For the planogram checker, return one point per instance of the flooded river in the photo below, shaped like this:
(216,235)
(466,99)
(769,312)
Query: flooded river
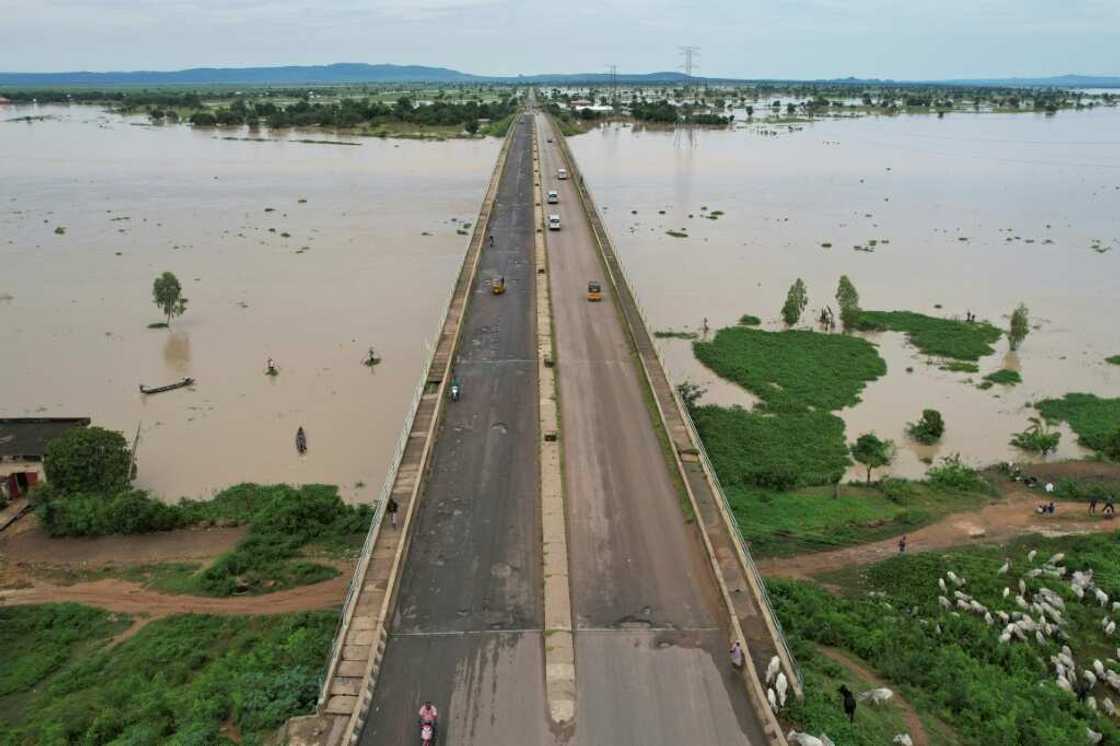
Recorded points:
(307,253)
(970,213)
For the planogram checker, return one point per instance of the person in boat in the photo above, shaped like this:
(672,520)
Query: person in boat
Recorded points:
(301,440)
(372,358)
(271,368)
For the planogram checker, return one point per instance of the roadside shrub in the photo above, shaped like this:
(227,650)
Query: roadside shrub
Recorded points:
(956,476)
(125,512)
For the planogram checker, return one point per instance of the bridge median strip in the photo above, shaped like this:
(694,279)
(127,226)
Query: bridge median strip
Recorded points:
(559,647)
(742,591)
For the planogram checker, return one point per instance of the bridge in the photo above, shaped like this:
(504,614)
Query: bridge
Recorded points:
(566,570)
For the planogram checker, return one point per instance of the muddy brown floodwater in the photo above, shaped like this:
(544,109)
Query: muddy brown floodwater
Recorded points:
(368,259)
(970,213)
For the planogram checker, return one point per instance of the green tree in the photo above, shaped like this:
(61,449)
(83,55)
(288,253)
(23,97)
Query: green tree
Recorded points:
(168,295)
(848,299)
(1038,438)
(471,126)
(1112,445)
(929,428)
(796,300)
(690,394)
(88,459)
(872,452)
(1020,326)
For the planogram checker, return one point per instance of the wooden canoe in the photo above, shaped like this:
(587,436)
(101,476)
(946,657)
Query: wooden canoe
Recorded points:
(169,387)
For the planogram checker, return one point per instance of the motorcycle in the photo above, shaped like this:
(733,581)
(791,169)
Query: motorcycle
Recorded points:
(454,391)
(427,734)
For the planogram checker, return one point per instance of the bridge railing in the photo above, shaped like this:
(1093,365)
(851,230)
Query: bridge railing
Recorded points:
(379,505)
(598,226)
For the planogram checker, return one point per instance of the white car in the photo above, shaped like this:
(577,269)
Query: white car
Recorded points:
(561,173)
(553,197)
(554,222)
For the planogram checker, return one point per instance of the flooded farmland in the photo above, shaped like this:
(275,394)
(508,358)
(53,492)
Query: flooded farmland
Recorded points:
(970,213)
(304,252)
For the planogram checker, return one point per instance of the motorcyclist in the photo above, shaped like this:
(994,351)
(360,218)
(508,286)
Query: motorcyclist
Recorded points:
(429,715)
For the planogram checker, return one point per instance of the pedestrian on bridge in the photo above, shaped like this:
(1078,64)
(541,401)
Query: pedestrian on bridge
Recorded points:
(391,508)
(736,656)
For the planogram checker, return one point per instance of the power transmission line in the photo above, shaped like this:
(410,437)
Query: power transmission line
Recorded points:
(690,55)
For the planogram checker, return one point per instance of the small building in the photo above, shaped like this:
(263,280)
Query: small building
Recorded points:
(4,101)
(580,103)
(23,444)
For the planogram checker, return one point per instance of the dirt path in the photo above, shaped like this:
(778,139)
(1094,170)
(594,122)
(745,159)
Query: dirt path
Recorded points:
(995,523)
(132,598)
(914,725)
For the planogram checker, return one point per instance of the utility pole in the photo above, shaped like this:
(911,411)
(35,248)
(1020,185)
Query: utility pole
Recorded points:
(613,70)
(690,55)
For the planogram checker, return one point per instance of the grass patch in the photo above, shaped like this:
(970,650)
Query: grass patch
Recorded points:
(677,234)
(810,519)
(793,371)
(992,692)
(1004,377)
(959,366)
(675,334)
(499,127)
(283,523)
(748,320)
(1094,420)
(178,680)
(821,712)
(934,336)
(158,325)
(753,449)
(1115,359)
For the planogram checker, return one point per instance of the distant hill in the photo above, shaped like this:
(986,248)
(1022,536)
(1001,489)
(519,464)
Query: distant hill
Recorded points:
(1057,81)
(351,73)
(288,75)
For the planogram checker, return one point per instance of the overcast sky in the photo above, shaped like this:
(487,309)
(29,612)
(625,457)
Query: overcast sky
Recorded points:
(902,39)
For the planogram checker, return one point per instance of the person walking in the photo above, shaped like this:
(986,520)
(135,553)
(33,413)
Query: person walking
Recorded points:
(391,508)
(1093,504)
(736,656)
(902,545)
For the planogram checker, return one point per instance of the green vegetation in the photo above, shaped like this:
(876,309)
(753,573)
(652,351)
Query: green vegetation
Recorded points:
(952,666)
(812,519)
(1005,377)
(796,300)
(675,334)
(187,679)
(779,452)
(284,522)
(1115,359)
(1020,326)
(497,128)
(168,296)
(1038,438)
(88,459)
(677,234)
(848,299)
(872,452)
(793,371)
(957,366)
(928,429)
(952,475)
(933,336)
(748,320)
(820,710)
(1095,420)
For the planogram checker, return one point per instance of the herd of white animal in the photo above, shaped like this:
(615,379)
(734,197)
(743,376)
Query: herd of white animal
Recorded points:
(1040,617)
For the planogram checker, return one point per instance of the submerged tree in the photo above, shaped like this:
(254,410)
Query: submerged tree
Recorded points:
(796,300)
(929,428)
(1020,326)
(168,295)
(872,452)
(690,394)
(848,299)
(1038,438)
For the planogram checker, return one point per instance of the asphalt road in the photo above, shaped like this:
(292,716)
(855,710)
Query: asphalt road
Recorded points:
(468,629)
(651,640)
